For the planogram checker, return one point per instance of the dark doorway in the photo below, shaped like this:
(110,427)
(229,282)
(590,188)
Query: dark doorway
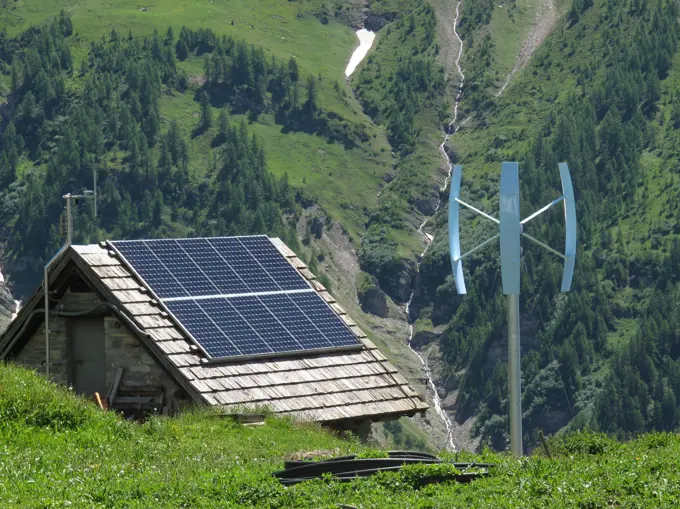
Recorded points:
(89,360)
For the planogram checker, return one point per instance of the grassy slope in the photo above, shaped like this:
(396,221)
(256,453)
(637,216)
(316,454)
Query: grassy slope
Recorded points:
(57,450)
(344,182)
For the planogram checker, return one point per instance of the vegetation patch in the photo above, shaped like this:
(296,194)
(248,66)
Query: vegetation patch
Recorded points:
(195,460)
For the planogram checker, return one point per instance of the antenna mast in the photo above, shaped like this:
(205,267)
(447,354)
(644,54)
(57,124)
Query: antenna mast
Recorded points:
(511,231)
(87,194)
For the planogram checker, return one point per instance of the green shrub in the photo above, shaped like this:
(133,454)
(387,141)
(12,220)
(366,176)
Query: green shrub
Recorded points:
(585,442)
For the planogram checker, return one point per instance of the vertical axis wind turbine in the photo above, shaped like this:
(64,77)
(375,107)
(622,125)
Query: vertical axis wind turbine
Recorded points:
(511,230)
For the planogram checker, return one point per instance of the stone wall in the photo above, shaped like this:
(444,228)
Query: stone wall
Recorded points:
(123,349)
(33,354)
(140,369)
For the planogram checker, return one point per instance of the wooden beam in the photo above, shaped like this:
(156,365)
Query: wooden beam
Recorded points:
(114,387)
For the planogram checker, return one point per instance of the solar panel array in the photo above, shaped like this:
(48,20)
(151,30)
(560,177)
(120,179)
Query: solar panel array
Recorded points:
(236,296)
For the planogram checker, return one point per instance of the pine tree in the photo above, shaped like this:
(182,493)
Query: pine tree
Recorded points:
(169,36)
(16,73)
(156,220)
(223,123)
(223,128)
(205,121)
(675,115)
(293,71)
(310,105)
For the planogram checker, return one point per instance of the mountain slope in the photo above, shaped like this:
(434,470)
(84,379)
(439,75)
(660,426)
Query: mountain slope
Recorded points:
(335,154)
(600,93)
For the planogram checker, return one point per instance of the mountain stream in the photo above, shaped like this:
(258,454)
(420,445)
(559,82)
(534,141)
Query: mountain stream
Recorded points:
(450,131)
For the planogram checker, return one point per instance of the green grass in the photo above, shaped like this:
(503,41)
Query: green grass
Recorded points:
(57,450)
(285,28)
(343,181)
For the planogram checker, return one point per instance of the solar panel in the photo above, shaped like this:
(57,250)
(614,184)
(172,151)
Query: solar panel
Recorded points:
(219,266)
(236,296)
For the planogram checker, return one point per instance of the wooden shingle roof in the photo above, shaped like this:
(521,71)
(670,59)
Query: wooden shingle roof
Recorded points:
(317,387)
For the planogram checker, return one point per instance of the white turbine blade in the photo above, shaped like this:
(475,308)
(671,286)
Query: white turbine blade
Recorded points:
(454,230)
(570,227)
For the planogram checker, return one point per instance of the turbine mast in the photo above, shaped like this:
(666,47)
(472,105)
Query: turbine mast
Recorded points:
(511,230)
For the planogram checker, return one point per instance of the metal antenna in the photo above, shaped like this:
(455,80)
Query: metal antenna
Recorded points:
(511,231)
(87,194)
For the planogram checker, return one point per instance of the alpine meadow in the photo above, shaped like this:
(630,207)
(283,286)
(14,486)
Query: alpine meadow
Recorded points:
(221,118)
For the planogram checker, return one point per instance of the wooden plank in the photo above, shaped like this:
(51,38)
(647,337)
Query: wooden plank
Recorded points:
(165,334)
(151,321)
(348,320)
(368,343)
(327,297)
(305,376)
(128,296)
(283,248)
(127,400)
(357,331)
(99,259)
(120,283)
(338,308)
(297,263)
(378,355)
(201,386)
(114,387)
(170,347)
(188,374)
(308,274)
(183,360)
(141,308)
(110,271)
(318,286)
(214,384)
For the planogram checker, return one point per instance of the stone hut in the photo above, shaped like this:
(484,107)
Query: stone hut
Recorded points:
(109,334)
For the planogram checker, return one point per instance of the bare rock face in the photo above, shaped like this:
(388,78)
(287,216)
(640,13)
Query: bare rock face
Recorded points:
(427,204)
(6,306)
(375,21)
(402,280)
(374,301)
(423,338)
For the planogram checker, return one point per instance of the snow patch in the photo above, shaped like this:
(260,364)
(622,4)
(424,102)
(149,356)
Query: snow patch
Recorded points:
(366,38)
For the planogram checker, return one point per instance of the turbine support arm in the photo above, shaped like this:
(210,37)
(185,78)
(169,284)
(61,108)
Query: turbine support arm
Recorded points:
(475,249)
(540,211)
(483,214)
(543,245)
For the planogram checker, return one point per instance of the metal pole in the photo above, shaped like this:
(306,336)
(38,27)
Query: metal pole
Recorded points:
(514,375)
(69,222)
(47,323)
(95,191)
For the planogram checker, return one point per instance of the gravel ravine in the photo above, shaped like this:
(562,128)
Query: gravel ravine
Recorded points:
(546,16)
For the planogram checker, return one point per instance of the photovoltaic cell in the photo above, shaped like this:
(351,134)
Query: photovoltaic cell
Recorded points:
(236,296)
(216,266)
(151,270)
(255,325)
